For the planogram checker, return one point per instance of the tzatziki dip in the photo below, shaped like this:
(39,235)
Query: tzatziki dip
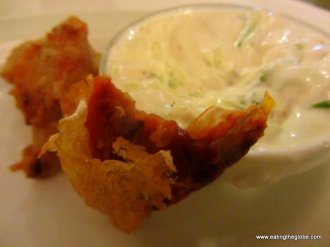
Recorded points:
(179,62)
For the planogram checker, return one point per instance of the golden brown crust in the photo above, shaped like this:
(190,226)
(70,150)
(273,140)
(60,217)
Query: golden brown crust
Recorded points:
(126,189)
(41,71)
(129,189)
(127,163)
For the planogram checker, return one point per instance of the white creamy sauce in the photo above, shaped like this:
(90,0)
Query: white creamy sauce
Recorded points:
(178,64)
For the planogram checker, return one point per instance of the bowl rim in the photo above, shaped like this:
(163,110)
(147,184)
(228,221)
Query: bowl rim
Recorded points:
(194,7)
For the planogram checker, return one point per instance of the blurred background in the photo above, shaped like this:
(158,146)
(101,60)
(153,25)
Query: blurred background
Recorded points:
(19,8)
(321,3)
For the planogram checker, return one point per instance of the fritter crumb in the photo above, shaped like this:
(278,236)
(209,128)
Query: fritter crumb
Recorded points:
(42,71)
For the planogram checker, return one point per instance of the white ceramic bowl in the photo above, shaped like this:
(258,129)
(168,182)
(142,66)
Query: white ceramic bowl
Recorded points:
(261,165)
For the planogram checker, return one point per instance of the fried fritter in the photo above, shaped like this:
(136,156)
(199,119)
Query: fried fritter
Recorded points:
(127,163)
(42,71)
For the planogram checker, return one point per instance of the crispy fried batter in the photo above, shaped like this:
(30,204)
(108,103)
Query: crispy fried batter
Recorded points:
(127,163)
(124,162)
(41,72)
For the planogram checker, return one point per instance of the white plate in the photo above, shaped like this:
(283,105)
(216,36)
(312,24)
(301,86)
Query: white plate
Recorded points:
(49,213)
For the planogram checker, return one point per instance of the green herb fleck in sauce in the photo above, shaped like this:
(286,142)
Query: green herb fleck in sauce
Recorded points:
(249,29)
(322,104)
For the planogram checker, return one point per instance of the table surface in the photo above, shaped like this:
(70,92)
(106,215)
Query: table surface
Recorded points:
(49,213)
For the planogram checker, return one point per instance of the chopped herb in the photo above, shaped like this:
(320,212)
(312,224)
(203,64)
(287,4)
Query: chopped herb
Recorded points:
(265,75)
(214,59)
(243,102)
(322,104)
(235,74)
(217,58)
(151,75)
(171,83)
(232,104)
(299,46)
(249,29)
